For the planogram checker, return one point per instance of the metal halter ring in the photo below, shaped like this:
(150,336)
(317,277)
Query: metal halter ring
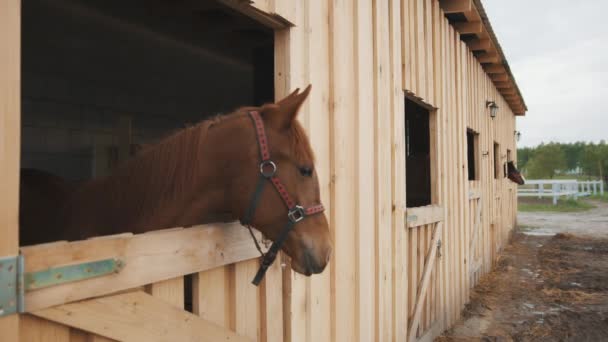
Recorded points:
(268,164)
(296,214)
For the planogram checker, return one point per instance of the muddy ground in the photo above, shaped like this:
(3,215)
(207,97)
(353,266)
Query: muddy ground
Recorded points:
(550,284)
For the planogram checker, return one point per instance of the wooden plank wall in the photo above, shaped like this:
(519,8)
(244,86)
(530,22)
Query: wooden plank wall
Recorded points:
(360,61)
(362,57)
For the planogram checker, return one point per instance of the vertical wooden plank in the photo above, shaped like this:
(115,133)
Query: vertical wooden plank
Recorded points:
(78,335)
(440,150)
(451,117)
(398,200)
(318,54)
(271,305)
(291,66)
(365,172)
(428,48)
(247,300)
(383,93)
(34,329)
(406,45)
(10,128)
(171,291)
(211,295)
(343,152)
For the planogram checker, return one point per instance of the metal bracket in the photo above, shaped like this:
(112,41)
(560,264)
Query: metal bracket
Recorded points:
(66,274)
(14,281)
(11,285)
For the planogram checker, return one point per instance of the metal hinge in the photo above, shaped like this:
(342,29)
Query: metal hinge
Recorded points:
(14,282)
(11,285)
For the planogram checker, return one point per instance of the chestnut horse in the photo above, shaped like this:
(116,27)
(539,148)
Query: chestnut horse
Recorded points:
(514,174)
(201,174)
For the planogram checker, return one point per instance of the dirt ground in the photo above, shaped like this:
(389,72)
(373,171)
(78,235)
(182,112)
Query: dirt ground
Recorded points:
(550,283)
(591,223)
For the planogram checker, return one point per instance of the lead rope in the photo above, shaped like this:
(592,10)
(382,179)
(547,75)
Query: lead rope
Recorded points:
(255,240)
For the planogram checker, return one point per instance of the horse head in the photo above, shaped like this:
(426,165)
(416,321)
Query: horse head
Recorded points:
(514,174)
(278,192)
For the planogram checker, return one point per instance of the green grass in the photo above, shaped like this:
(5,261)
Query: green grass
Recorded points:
(563,206)
(601,198)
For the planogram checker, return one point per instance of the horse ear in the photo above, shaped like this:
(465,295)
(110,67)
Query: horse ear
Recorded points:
(288,97)
(286,109)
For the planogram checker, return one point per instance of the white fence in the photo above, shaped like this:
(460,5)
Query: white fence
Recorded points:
(556,188)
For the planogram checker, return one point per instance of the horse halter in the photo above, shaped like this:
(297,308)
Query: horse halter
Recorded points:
(295,212)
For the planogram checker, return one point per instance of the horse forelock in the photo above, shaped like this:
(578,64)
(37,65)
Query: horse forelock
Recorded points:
(301,145)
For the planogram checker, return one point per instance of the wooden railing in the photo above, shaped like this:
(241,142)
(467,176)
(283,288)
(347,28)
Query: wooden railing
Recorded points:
(556,188)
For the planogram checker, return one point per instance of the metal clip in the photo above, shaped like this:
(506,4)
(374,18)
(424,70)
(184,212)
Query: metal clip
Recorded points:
(296,214)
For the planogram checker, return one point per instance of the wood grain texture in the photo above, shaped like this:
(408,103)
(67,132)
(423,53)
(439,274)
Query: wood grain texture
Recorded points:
(173,253)
(137,316)
(361,57)
(34,329)
(10,122)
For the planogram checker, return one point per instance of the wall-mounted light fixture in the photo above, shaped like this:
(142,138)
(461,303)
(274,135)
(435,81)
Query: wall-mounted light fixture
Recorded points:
(493,108)
(517,135)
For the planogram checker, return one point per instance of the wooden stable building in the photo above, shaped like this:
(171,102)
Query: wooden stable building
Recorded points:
(411,116)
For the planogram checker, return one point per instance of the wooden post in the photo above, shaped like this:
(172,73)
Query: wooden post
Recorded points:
(554,190)
(10,128)
(594,188)
(602,187)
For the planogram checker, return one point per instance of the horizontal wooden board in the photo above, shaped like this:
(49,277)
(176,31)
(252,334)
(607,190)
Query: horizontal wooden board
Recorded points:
(148,258)
(137,316)
(424,215)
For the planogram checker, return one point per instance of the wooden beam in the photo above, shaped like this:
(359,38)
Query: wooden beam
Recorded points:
(472,15)
(137,316)
(509,91)
(424,282)
(456,6)
(10,141)
(480,44)
(488,57)
(499,77)
(420,216)
(173,253)
(472,27)
(503,85)
(495,69)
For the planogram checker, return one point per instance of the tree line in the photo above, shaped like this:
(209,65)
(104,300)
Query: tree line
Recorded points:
(553,159)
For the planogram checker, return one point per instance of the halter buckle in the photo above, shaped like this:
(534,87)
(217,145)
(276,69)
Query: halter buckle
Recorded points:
(296,214)
(268,168)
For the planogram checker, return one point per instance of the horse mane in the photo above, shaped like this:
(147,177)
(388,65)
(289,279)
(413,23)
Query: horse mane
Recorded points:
(178,157)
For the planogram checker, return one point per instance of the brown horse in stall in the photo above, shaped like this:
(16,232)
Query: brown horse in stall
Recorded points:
(514,174)
(212,171)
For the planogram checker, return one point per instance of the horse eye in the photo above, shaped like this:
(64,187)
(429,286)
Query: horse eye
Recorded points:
(306,171)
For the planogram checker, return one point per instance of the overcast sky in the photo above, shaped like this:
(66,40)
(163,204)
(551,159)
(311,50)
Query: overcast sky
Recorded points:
(558,52)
